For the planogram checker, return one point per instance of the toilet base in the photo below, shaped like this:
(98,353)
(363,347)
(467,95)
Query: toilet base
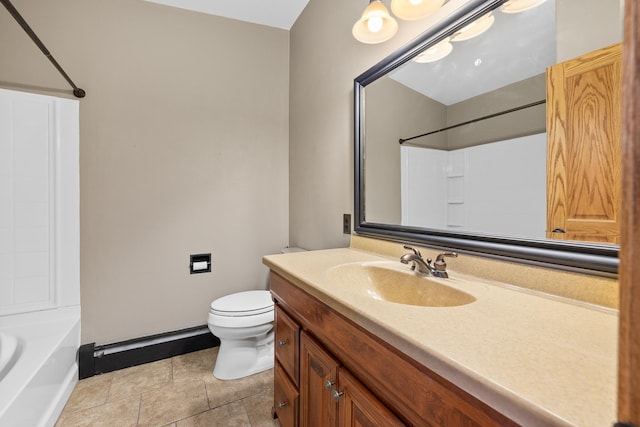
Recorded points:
(241,358)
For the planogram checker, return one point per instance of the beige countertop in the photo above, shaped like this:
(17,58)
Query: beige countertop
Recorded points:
(538,359)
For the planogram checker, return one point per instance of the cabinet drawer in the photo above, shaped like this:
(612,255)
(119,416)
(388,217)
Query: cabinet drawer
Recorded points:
(285,398)
(287,336)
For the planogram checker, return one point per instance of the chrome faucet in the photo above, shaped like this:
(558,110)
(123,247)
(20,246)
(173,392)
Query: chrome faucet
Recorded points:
(437,269)
(417,263)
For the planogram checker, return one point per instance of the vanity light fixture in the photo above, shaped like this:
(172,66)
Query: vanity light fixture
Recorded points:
(375,25)
(435,52)
(516,6)
(411,10)
(474,29)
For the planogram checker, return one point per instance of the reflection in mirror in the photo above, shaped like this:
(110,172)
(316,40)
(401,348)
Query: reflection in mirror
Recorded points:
(505,135)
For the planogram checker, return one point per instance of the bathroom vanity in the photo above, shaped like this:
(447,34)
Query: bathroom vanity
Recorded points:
(347,355)
(343,390)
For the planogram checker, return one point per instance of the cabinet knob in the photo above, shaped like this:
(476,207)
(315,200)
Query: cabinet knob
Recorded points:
(282,343)
(282,405)
(336,395)
(328,384)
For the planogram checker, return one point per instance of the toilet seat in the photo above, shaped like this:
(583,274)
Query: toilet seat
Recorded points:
(248,303)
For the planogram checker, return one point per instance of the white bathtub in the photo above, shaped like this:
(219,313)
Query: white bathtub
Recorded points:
(10,349)
(38,367)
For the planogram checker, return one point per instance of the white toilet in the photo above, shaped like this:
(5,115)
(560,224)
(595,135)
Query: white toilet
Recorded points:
(244,323)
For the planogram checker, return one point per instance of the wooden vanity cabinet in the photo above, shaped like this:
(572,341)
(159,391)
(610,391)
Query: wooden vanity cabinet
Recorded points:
(350,377)
(317,402)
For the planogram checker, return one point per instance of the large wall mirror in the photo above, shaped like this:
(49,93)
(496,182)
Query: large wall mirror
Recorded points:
(498,132)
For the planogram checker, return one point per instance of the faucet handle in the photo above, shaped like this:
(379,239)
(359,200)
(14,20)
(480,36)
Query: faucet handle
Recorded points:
(415,251)
(440,264)
(441,256)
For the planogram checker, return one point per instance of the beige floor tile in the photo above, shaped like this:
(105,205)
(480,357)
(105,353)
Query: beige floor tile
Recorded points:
(194,365)
(231,415)
(259,409)
(174,392)
(268,380)
(221,392)
(89,392)
(139,379)
(121,413)
(172,403)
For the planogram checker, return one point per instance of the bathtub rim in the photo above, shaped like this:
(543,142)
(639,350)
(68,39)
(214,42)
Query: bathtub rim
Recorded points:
(36,363)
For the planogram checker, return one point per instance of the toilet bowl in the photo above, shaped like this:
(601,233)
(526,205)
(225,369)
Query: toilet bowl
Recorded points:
(244,324)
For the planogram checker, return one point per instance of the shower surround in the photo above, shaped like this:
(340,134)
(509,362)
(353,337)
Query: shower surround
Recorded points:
(39,256)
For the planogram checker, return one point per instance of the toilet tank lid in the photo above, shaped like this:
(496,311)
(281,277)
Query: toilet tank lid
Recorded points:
(292,249)
(243,302)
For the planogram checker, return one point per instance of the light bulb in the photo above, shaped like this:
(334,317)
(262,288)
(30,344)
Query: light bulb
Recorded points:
(374,24)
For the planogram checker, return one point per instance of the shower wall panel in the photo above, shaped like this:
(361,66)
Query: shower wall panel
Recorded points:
(33,141)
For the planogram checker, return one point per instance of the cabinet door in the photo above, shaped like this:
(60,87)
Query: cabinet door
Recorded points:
(318,374)
(359,408)
(584,147)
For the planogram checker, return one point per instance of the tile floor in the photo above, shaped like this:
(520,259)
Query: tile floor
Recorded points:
(175,392)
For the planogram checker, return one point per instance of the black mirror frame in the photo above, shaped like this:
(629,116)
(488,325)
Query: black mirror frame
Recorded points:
(572,256)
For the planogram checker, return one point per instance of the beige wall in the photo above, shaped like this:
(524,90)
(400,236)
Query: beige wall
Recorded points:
(183,149)
(528,121)
(325,58)
(586,25)
(393,111)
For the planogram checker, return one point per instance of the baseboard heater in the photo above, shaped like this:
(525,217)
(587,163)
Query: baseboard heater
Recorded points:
(94,360)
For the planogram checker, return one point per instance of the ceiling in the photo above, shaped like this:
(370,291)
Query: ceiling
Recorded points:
(273,13)
(526,47)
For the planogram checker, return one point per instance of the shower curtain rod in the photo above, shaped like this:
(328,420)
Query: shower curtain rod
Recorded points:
(490,116)
(79,93)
